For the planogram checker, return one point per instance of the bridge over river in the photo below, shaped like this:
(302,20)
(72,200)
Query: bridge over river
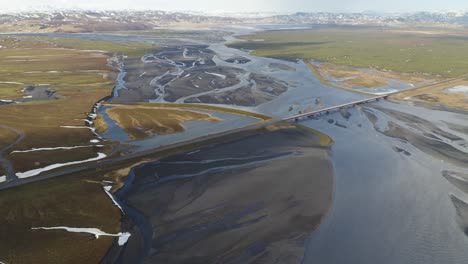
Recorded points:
(327,110)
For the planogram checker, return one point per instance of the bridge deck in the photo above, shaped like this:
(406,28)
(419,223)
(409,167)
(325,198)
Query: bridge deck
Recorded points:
(333,108)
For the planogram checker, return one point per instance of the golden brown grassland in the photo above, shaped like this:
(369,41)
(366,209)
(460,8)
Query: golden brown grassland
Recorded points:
(203,107)
(142,122)
(353,77)
(438,94)
(77,73)
(100,124)
(31,160)
(7,136)
(69,201)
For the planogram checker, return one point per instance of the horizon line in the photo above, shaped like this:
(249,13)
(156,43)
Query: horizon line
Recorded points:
(393,12)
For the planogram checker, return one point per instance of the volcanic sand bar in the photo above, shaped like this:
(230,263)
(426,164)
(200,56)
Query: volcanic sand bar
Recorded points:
(218,202)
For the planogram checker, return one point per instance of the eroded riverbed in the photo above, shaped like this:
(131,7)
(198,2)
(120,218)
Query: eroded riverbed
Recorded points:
(235,202)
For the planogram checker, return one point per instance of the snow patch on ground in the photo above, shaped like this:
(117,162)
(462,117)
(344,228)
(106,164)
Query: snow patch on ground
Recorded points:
(458,89)
(13,83)
(35,172)
(123,237)
(57,148)
(107,189)
(81,127)
(74,127)
(217,75)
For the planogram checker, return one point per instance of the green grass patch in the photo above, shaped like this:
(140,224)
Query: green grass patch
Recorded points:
(407,52)
(131,49)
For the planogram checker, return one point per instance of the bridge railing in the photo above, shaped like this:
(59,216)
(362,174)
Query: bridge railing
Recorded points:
(333,108)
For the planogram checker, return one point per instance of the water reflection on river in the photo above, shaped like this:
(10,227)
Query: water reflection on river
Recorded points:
(390,206)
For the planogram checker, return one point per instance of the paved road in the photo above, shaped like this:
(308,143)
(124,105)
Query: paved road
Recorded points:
(5,163)
(429,85)
(109,162)
(333,108)
(13,181)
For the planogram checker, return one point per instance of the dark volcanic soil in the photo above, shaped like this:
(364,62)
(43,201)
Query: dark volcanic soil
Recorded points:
(260,89)
(190,74)
(202,79)
(253,200)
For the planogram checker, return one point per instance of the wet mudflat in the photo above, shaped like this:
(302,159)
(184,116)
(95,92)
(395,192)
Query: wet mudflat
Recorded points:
(401,174)
(246,200)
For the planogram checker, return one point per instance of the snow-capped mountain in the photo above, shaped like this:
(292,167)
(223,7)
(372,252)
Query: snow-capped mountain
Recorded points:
(90,21)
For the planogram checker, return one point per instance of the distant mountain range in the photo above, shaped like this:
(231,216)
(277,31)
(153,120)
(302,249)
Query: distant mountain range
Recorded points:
(95,21)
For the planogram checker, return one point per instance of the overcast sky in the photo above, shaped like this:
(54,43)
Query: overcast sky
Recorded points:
(246,5)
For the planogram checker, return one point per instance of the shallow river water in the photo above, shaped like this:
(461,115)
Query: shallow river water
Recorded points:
(389,207)
(391,202)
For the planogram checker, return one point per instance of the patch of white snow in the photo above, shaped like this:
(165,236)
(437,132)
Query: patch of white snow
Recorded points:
(123,237)
(35,172)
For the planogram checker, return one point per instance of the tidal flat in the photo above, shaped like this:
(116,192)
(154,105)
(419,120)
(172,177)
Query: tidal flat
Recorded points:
(234,202)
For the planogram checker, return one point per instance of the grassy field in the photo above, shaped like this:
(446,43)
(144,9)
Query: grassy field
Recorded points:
(434,53)
(31,160)
(80,77)
(74,201)
(20,67)
(75,70)
(206,107)
(7,136)
(142,122)
(354,77)
(130,49)
(438,94)
(100,124)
